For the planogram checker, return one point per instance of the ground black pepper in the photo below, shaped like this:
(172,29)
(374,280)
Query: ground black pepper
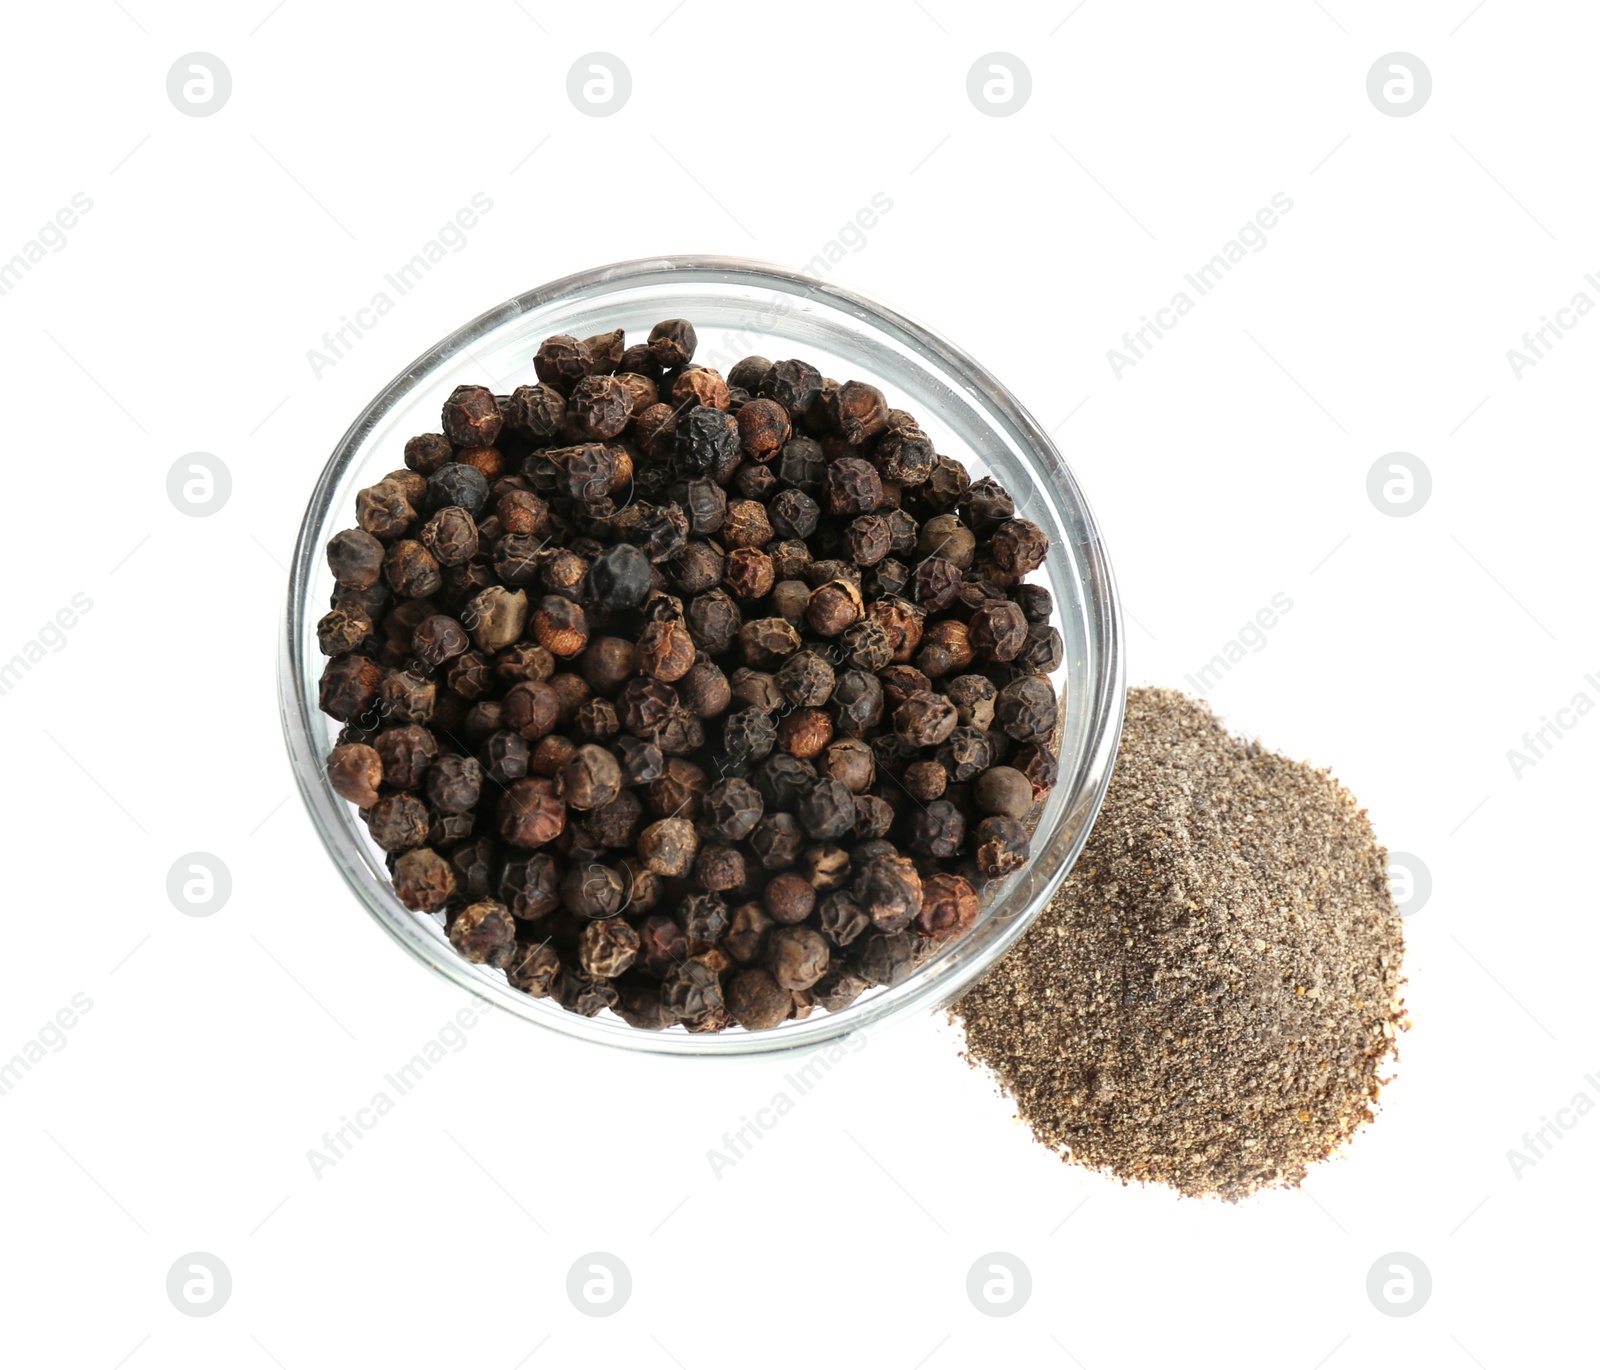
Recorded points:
(1212,1000)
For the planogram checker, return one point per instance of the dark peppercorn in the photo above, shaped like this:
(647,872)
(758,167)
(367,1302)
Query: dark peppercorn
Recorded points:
(732,808)
(853,487)
(591,778)
(533,969)
(593,890)
(454,783)
(530,814)
(343,628)
(793,384)
(1002,846)
(889,890)
(777,841)
(827,810)
(885,958)
(756,1000)
(427,452)
(383,510)
(1026,709)
(538,412)
(867,540)
(797,957)
(460,485)
(672,342)
(398,822)
(356,558)
(423,880)
(561,362)
(484,933)
(938,830)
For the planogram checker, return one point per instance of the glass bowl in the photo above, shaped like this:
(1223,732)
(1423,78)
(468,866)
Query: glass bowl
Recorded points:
(738,308)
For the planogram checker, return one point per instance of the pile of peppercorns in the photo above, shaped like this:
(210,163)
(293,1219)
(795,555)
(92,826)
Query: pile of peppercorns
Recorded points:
(704,700)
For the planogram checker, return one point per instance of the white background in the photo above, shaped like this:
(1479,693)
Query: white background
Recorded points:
(1227,466)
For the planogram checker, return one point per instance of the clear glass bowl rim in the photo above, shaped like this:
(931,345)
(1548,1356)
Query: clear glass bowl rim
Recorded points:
(302,720)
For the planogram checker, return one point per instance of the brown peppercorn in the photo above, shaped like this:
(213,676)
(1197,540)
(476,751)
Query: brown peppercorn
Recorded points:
(1002,846)
(522,511)
(662,945)
(680,791)
(406,753)
(842,919)
(693,992)
(496,617)
(748,573)
(669,846)
(763,428)
(470,417)
(571,692)
(343,628)
(889,891)
(355,771)
(605,351)
(949,907)
(410,569)
(672,342)
(1039,764)
(607,664)
(937,830)
(777,841)
(530,814)
(642,391)
(905,455)
(423,880)
(550,755)
(607,948)
(591,778)
(356,559)
(719,868)
(489,462)
(834,607)
(936,583)
(438,638)
(853,487)
(1018,546)
(849,761)
(665,650)
(998,630)
(925,719)
(857,411)
(533,969)
(561,626)
(946,648)
(451,536)
(732,808)
(591,889)
(427,452)
(655,430)
(699,385)
(538,412)
(789,898)
(705,690)
(561,362)
(925,781)
(598,408)
(746,525)
(797,957)
(805,732)
(1003,790)
(867,539)
(398,822)
(756,1001)
(765,643)
(903,622)
(484,933)
(383,510)
(1026,709)
(948,537)
(406,698)
(746,938)
(531,709)
(349,686)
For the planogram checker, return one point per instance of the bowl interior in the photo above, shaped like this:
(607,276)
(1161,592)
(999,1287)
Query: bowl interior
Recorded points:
(738,308)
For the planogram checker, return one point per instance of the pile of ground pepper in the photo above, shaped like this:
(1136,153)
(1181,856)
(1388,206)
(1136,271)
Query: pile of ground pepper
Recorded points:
(1211,1001)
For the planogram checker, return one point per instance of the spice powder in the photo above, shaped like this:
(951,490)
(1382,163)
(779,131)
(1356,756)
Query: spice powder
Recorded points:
(1212,999)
